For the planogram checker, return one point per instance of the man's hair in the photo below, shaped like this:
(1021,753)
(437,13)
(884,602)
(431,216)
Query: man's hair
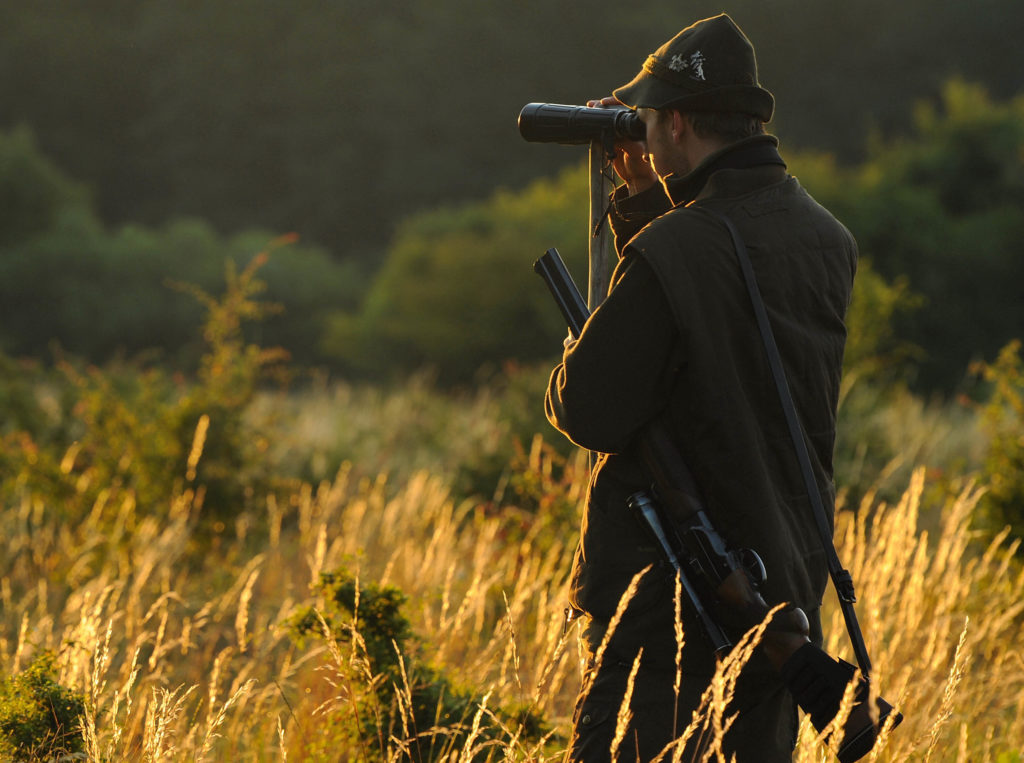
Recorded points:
(724,125)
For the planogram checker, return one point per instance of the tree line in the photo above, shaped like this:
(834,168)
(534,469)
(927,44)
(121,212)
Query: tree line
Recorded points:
(938,213)
(338,120)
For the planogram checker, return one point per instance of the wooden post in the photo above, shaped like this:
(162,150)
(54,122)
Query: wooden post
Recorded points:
(601,255)
(600,236)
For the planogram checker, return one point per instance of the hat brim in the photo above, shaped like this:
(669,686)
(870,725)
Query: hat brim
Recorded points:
(648,91)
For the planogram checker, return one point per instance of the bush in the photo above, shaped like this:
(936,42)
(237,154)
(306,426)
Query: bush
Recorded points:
(33,192)
(104,294)
(873,351)
(1003,416)
(149,437)
(942,209)
(39,719)
(457,290)
(397,696)
(143,429)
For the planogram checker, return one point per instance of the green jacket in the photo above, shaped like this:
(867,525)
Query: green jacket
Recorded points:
(677,338)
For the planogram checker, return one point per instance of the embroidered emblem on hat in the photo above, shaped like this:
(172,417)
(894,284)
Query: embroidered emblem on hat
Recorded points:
(694,64)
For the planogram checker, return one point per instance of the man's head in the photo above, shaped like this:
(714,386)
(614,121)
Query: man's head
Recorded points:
(677,142)
(698,93)
(708,68)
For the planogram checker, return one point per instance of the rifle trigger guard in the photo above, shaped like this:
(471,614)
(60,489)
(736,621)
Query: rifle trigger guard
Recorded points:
(753,566)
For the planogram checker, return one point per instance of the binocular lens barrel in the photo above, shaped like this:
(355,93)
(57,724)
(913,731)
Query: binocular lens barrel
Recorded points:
(556,123)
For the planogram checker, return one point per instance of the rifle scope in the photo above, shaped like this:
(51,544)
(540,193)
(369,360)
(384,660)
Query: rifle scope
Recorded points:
(572,125)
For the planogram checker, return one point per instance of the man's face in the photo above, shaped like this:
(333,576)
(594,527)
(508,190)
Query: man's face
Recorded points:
(664,151)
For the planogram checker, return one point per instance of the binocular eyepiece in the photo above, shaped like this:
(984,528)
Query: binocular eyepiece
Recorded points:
(572,125)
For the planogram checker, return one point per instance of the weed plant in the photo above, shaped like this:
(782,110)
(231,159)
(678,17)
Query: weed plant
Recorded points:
(39,718)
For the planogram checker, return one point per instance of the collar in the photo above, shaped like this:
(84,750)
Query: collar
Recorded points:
(755,151)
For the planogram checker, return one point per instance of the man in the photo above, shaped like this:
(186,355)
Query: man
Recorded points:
(676,340)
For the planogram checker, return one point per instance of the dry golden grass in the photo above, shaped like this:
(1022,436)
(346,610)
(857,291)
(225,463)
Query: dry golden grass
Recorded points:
(942,617)
(185,658)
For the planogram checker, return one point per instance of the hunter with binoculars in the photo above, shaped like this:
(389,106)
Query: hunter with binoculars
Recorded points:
(706,385)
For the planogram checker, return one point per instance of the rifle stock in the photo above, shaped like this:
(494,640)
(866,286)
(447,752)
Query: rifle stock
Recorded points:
(727,580)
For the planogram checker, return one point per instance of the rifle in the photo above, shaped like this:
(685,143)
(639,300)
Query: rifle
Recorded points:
(716,578)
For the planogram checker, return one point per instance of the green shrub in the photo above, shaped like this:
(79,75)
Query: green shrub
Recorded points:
(396,695)
(457,290)
(103,294)
(873,350)
(145,430)
(942,208)
(39,719)
(132,435)
(33,192)
(1003,417)
(20,410)
(307,282)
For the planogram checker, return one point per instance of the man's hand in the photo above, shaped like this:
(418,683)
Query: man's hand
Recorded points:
(630,160)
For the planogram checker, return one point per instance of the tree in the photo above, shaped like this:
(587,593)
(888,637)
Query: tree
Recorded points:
(34,193)
(457,291)
(942,207)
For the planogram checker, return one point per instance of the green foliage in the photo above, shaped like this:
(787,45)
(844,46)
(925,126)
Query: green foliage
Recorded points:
(33,192)
(942,209)
(1004,419)
(873,351)
(543,485)
(457,292)
(39,719)
(137,436)
(309,285)
(20,410)
(396,694)
(370,612)
(143,430)
(103,294)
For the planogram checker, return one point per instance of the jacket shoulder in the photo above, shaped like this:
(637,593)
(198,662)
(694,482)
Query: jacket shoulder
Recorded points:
(689,228)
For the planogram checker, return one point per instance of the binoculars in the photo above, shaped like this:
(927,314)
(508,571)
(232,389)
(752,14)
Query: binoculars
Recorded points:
(573,125)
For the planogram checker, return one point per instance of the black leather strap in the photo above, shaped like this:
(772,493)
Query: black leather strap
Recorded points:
(841,577)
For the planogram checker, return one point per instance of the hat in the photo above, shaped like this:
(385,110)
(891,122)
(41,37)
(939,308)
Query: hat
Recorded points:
(709,66)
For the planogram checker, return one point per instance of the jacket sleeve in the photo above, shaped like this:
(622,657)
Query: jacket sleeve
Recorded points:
(627,214)
(618,374)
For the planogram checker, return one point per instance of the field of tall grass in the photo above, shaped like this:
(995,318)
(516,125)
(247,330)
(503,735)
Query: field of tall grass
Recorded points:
(383,576)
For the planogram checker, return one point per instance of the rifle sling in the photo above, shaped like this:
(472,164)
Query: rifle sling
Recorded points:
(841,577)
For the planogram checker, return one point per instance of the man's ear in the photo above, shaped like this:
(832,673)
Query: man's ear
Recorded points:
(680,125)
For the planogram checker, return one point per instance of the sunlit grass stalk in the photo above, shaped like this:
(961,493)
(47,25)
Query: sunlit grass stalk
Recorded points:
(956,674)
(624,716)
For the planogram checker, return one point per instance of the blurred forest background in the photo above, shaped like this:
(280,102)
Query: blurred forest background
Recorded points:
(143,141)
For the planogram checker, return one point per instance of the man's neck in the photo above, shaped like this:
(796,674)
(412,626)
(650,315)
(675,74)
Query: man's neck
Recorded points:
(759,149)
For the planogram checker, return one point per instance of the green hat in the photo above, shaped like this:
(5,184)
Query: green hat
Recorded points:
(709,66)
